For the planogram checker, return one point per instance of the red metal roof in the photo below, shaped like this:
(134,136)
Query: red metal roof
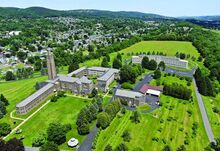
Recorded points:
(145,87)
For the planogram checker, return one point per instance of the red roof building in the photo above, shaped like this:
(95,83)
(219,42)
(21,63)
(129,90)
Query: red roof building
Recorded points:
(146,87)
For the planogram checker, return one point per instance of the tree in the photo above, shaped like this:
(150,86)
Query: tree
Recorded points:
(162,65)
(166,148)
(181,148)
(126,136)
(93,93)
(128,74)
(105,62)
(3,99)
(121,147)
(3,110)
(13,145)
(117,64)
(119,57)
(108,148)
(135,117)
(152,65)
(56,133)
(73,66)
(5,129)
(39,140)
(49,146)
(103,120)
(144,62)
(90,48)
(157,74)
(9,76)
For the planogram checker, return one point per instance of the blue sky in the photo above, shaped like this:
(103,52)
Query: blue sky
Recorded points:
(163,7)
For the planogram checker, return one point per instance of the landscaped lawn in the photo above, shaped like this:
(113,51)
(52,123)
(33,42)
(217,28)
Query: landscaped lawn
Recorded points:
(214,118)
(157,125)
(168,47)
(17,91)
(171,124)
(64,111)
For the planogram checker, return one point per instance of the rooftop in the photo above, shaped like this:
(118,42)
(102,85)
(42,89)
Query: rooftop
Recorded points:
(35,95)
(108,74)
(146,87)
(76,71)
(128,94)
(153,92)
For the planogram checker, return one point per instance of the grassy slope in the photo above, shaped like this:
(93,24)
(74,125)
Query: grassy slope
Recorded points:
(143,132)
(16,91)
(64,111)
(214,118)
(168,47)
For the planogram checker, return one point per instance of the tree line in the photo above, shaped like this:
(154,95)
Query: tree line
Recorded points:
(177,91)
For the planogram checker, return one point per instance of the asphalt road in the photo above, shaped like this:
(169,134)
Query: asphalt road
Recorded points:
(87,143)
(204,115)
(189,73)
(146,79)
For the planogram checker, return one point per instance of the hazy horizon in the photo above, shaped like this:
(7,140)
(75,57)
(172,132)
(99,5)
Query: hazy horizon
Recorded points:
(167,8)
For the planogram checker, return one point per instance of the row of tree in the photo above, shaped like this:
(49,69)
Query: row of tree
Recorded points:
(105,118)
(204,84)
(177,91)
(88,114)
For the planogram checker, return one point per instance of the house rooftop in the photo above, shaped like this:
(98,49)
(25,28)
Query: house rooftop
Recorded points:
(146,87)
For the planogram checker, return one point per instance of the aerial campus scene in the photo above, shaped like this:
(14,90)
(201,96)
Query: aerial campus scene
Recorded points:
(109,75)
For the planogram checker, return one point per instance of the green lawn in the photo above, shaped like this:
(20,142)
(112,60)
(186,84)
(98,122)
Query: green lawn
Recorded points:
(17,91)
(214,118)
(171,124)
(168,47)
(64,111)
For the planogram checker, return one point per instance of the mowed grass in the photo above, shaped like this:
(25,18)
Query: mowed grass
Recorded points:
(214,118)
(168,132)
(17,91)
(171,124)
(168,47)
(64,111)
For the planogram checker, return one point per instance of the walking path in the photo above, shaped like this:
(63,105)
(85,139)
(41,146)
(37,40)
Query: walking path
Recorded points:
(24,121)
(204,115)
(15,118)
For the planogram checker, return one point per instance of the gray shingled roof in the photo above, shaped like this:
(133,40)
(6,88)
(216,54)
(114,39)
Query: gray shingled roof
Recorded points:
(65,78)
(35,95)
(108,74)
(76,71)
(85,80)
(98,69)
(128,94)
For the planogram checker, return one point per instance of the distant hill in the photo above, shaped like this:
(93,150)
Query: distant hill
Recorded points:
(202,18)
(45,12)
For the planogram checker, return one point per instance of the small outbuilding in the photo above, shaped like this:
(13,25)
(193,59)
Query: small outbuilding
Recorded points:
(151,90)
(73,142)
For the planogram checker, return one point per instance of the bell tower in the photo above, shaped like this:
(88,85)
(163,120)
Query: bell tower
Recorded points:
(51,65)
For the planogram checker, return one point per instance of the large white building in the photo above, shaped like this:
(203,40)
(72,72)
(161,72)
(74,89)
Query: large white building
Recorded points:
(169,61)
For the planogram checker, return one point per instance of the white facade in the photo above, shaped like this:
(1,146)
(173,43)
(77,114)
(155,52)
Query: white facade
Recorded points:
(169,61)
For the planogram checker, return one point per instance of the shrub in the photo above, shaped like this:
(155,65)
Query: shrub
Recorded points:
(127,85)
(126,136)
(5,129)
(39,140)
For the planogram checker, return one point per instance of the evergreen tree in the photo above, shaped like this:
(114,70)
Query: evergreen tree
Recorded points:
(144,62)
(119,57)
(9,76)
(117,64)
(49,146)
(157,74)
(105,62)
(73,66)
(162,65)
(152,65)
(4,100)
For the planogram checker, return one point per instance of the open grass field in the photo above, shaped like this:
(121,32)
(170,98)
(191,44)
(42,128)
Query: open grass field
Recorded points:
(214,118)
(15,92)
(168,47)
(171,124)
(64,111)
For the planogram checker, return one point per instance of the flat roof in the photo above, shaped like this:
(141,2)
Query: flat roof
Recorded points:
(35,95)
(128,94)
(98,69)
(153,92)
